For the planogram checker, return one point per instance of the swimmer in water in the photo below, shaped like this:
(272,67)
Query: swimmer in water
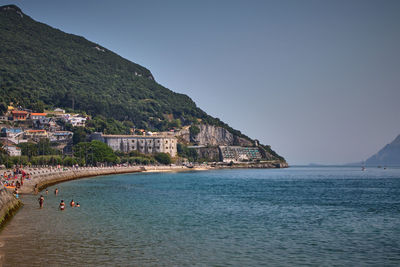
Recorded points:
(72,203)
(41,201)
(47,191)
(62,205)
(77,205)
(56,191)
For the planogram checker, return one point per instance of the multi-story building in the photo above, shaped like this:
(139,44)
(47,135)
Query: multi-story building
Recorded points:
(147,144)
(35,134)
(60,136)
(19,115)
(38,116)
(239,153)
(12,150)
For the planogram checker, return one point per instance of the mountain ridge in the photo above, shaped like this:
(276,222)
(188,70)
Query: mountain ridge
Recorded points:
(389,155)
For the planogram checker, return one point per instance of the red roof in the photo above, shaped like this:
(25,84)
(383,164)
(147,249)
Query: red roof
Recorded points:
(35,131)
(38,114)
(19,112)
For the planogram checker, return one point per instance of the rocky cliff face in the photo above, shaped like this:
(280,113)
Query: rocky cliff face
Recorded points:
(209,153)
(211,135)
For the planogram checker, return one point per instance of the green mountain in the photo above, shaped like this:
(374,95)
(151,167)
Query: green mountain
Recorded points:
(42,66)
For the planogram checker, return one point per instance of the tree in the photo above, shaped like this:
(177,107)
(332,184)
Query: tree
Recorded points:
(163,158)
(38,106)
(28,149)
(44,148)
(3,107)
(194,131)
(95,151)
(185,152)
(79,135)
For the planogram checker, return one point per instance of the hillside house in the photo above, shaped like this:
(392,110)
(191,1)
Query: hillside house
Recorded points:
(59,111)
(47,124)
(60,136)
(19,115)
(12,150)
(75,120)
(38,116)
(10,132)
(35,134)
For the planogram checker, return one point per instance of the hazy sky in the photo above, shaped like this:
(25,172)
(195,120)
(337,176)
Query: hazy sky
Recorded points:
(317,80)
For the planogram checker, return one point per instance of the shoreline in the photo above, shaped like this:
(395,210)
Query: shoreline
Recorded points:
(44,177)
(47,177)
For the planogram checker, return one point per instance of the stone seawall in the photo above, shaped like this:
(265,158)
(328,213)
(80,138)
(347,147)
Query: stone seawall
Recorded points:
(46,177)
(8,205)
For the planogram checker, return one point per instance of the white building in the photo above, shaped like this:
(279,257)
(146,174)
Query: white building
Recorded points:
(60,136)
(38,116)
(142,143)
(12,150)
(75,120)
(59,110)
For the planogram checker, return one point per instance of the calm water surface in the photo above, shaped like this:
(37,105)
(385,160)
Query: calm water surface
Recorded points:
(288,217)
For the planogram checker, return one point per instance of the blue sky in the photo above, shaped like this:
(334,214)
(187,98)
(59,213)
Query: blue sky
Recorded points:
(317,80)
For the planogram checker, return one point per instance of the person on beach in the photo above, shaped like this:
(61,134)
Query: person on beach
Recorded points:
(62,205)
(41,201)
(72,203)
(16,193)
(36,189)
(56,191)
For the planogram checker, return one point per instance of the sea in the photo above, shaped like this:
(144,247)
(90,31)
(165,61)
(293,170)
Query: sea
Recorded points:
(299,216)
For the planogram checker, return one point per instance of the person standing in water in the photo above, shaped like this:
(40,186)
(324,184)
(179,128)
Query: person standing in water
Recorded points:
(62,205)
(72,203)
(56,191)
(47,191)
(41,201)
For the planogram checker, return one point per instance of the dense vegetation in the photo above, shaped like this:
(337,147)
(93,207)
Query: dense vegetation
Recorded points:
(84,153)
(44,67)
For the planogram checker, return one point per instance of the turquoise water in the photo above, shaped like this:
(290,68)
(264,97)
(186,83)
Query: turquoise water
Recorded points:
(285,217)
